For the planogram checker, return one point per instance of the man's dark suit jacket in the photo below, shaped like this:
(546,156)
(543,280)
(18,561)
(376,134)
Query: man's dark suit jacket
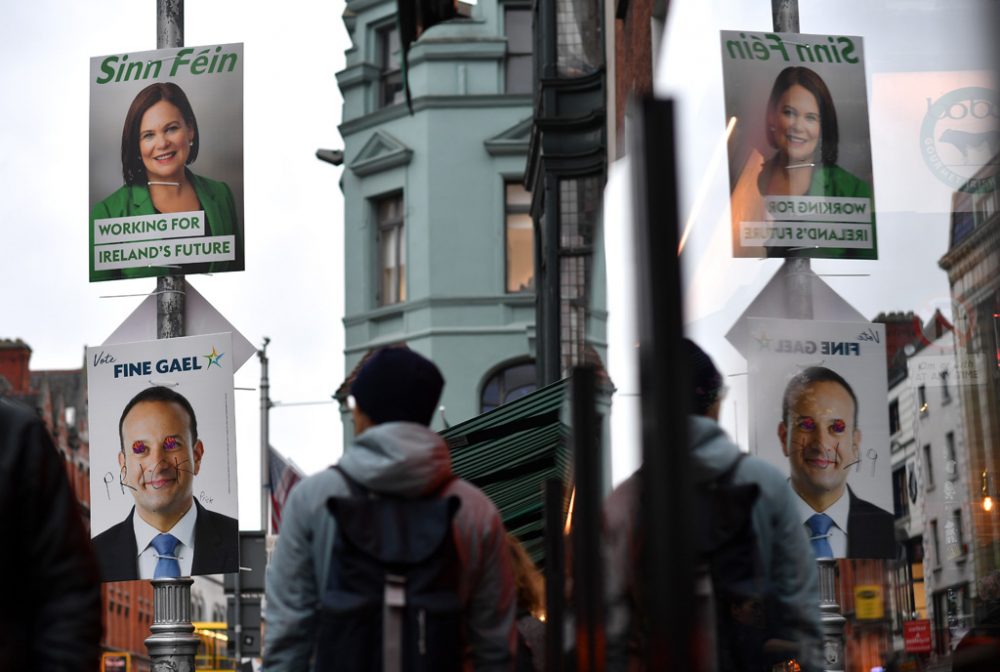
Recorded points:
(216,547)
(870,530)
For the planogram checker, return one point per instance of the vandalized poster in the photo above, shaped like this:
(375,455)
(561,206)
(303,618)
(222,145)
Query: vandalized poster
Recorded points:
(163,457)
(818,413)
(800,167)
(166,162)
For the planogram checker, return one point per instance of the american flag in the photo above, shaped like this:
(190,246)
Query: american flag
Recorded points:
(284,475)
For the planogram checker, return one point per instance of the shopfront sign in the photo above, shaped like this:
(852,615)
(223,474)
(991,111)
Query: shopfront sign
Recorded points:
(941,127)
(869,604)
(166,162)
(800,163)
(917,636)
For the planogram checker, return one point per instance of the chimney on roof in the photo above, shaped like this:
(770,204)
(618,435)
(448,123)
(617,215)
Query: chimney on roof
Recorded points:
(14,357)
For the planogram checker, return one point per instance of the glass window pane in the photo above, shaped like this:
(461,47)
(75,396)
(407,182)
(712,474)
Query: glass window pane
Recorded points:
(520,254)
(391,250)
(517,195)
(517,26)
(519,75)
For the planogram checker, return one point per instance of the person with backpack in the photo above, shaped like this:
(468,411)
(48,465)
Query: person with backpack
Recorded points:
(755,551)
(388,561)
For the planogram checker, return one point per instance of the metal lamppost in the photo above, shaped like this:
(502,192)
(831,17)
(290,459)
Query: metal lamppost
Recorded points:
(172,644)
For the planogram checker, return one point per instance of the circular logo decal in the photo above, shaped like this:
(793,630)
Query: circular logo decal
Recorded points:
(960,134)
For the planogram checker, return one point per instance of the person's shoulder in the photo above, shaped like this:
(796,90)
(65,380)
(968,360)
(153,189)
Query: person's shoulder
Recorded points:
(844,183)
(218,520)
(117,203)
(312,492)
(209,185)
(113,547)
(866,508)
(113,535)
(476,506)
(16,416)
(753,468)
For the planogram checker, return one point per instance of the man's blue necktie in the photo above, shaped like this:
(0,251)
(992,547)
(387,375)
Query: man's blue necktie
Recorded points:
(167,566)
(820,524)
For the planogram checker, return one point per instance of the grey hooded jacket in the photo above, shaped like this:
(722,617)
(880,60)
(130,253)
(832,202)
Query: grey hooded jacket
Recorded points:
(786,556)
(401,459)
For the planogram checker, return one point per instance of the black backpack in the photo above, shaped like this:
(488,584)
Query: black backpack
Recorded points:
(391,602)
(729,555)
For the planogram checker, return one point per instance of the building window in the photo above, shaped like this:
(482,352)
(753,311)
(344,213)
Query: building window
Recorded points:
(518,75)
(390,90)
(954,536)
(945,391)
(936,541)
(951,457)
(894,416)
(922,400)
(520,239)
(391,250)
(900,500)
(578,42)
(508,384)
(579,209)
(928,467)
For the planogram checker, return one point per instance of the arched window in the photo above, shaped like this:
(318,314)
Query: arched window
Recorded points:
(507,384)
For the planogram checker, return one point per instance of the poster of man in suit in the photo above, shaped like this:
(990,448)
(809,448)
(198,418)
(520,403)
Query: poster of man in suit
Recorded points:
(818,412)
(163,458)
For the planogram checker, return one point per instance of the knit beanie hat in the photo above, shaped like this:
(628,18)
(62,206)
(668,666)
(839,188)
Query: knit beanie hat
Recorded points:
(706,381)
(398,385)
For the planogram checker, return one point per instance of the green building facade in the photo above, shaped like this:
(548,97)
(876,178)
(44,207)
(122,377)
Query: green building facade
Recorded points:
(439,245)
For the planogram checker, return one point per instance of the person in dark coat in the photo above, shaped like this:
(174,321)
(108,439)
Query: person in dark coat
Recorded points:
(50,614)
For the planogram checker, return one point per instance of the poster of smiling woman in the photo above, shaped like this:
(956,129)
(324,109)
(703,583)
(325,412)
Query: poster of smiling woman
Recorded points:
(163,458)
(800,166)
(818,413)
(166,162)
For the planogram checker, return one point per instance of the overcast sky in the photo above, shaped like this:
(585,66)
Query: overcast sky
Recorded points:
(292,290)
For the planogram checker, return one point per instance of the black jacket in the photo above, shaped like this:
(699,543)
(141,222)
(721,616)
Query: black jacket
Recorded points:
(871,532)
(216,547)
(50,613)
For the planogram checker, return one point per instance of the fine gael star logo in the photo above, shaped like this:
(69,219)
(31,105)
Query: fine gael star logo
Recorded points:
(213,358)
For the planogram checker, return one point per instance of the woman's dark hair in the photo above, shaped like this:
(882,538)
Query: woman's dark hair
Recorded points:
(814,84)
(133,170)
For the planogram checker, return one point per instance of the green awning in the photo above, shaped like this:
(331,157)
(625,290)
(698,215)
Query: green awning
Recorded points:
(510,452)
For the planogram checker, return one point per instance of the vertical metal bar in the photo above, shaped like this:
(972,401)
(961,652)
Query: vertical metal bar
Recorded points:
(554,579)
(830,617)
(169,23)
(588,586)
(170,289)
(265,437)
(551,289)
(668,557)
(172,644)
(785,14)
